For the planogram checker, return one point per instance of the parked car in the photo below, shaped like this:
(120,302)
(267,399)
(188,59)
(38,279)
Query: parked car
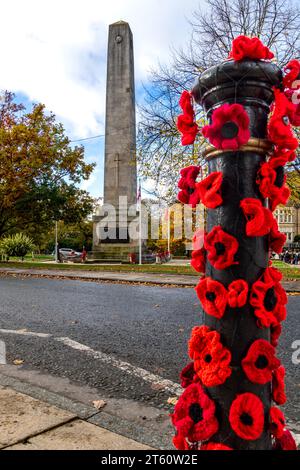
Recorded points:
(68,254)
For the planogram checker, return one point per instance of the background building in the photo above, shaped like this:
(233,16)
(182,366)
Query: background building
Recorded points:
(288,218)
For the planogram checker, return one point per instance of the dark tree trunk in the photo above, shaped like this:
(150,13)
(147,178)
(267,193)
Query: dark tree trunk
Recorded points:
(250,84)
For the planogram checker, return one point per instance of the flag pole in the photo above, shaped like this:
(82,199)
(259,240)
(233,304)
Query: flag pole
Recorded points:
(168,231)
(140,223)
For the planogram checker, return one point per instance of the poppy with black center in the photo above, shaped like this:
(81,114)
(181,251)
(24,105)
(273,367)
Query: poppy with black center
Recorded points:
(211,296)
(261,362)
(229,130)
(246,419)
(208,358)
(220,248)
(196,412)
(270,299)
(279,181)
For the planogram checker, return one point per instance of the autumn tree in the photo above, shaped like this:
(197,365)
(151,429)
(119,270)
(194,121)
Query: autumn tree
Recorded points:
(212,29)
(40,172)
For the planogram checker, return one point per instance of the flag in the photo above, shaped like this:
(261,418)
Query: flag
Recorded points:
(139,193)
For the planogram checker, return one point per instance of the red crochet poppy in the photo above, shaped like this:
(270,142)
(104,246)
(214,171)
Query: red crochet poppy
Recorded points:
(180,443)
(280,131)
(285,442)
(246,416)
(221,248)
(294,98)
(213,296)
(260,362)
(237,293)
(187,184)
(244,47)
(229,129)
(187,375)
(294,71)
(272,274)
(198,260)
(211,358)
(278,387)
(277,422)
(259,218)
(215,446)
(186,122)
(269,300)
(210,190)
(194,415)
(275,334)
(271,180)
(277,239)
(282,156)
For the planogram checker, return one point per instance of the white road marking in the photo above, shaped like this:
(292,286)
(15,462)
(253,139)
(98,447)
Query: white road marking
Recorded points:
(153,379)
(143,374)
(25,333)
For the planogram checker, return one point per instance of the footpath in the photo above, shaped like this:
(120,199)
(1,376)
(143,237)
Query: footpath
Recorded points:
(174,280)
(43,420)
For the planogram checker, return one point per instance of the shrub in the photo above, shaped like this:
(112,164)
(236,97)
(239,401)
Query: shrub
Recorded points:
(16,245)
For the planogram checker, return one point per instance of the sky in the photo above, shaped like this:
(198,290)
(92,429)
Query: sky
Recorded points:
(54,52)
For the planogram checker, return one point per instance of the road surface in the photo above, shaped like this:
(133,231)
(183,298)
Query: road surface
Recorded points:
(127,341)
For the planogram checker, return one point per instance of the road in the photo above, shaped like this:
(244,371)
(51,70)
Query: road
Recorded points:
(123,340)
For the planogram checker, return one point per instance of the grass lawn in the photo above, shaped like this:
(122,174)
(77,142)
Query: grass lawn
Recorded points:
(289,272)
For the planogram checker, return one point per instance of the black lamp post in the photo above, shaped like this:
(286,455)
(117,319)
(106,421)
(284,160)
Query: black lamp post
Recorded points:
(250,84)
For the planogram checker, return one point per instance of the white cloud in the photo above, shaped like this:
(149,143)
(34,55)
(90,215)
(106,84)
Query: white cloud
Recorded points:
(55,51)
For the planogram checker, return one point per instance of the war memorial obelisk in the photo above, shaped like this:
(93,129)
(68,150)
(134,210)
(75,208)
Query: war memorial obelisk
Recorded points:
(120,180)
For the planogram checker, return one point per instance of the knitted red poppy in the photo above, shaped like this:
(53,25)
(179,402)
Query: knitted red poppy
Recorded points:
(237,293)
(260,362)
(278,387)
(187,184)
(275,334)
(294,71)
(209,190)
(280,131)
(271,181)
(285,442)
(244,47)
(282,156)
(273,274)
(215,446)
(221,248)
(198,260)
(246,416)
(277,239)
(269,300)
(259,218)
(186,122)
(294,98)
(180,443)
(211,358)
(277,422)
(187,375)
(194,415)
(213,296)
(229,129)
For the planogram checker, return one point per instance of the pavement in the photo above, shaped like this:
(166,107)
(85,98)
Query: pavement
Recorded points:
(182,280)
(28,423)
